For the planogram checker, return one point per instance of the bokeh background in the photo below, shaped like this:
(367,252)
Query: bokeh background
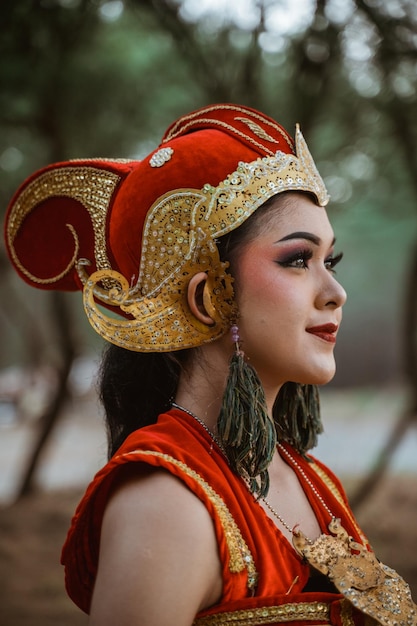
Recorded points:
(90,78)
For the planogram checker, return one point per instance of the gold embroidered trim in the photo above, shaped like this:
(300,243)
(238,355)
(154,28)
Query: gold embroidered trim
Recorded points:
(255,128)
(228,127)
(103,160)
(192,121)
(90,186)
(292,612)
(240,555)
(346,613)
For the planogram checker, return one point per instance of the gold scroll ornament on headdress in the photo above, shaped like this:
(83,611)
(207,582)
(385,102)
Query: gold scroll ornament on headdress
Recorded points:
(90,186)
(178,241)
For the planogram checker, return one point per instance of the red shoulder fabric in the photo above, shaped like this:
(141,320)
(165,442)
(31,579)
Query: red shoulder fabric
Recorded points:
(260,566)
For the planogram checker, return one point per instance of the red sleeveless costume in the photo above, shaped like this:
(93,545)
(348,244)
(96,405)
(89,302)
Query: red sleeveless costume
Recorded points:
(263,576)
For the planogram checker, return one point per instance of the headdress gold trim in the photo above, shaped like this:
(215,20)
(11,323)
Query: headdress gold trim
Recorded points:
(188,122)
(179,240)
(92,187)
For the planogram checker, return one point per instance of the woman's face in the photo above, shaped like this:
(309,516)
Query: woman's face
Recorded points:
(289,301)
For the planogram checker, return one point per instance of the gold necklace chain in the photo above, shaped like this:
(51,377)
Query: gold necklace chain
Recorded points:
(283,450)
(204,425)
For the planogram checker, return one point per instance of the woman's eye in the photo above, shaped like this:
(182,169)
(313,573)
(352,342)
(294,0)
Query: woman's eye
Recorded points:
(298,260)
(331,261)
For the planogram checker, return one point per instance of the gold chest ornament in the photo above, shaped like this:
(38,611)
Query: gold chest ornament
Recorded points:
(371,587)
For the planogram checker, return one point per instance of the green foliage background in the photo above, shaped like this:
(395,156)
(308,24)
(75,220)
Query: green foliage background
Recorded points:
(84,78)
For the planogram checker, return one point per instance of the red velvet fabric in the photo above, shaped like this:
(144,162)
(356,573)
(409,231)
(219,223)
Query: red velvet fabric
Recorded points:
(207,146)
(43,243)
(178,436)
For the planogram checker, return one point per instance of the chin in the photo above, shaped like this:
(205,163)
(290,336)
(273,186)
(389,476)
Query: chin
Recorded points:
(324,378)
(321,376)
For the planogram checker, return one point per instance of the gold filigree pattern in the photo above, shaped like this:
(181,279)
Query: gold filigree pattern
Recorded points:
(284,613)
(370,586)
(179,237)
(240,555)
(162,319)
(91,186)
(178,240)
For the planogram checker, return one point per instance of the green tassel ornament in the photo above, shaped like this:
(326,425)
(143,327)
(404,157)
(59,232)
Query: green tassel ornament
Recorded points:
(244,427)
(247,433)
(297,415)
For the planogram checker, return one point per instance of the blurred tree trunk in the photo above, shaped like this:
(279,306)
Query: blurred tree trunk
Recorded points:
(61,320)
(17,311)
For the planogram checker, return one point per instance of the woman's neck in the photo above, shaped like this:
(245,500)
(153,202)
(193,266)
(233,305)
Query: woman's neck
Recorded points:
(201,386)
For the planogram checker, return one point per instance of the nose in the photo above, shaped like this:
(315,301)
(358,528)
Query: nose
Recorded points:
(332,294)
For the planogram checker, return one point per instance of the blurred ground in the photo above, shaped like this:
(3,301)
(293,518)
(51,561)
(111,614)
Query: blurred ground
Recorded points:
(32,530)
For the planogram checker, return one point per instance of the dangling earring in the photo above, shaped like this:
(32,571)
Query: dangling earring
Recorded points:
(296,414)
(244,426)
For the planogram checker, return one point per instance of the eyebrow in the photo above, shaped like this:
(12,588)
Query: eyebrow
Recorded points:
(304,235)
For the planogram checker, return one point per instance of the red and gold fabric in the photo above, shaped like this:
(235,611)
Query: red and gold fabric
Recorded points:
(130,234)
(263,576)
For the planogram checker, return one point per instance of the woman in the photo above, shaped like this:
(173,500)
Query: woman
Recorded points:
(218,253)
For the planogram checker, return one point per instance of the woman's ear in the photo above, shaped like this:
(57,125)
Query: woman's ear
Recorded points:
(197,298)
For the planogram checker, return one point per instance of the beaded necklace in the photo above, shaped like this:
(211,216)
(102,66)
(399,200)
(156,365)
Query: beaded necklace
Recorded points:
(283,450)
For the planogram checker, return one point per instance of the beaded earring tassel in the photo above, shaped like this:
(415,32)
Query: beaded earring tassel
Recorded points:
(297,415)
(244,426)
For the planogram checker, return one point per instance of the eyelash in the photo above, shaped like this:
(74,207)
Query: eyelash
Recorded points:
(306,255)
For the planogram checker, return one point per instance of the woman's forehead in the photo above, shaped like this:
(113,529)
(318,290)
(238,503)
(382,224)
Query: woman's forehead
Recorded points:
(293,212)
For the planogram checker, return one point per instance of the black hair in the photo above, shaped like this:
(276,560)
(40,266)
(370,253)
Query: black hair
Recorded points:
(136,387)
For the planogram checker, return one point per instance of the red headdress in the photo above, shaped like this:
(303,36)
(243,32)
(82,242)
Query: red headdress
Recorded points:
(130,234)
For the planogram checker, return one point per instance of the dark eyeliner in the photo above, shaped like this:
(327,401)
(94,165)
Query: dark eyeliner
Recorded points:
(291,258)
(332,261)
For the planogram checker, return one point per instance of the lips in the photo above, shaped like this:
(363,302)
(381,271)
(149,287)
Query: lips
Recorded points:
(327,332)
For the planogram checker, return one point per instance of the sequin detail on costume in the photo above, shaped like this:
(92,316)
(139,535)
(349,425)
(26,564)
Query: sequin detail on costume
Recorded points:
(194,119)
(370,586)
(161,157)
(335,491)
(285,613)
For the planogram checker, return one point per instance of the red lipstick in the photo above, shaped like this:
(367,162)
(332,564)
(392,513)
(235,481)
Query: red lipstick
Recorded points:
(327,332)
